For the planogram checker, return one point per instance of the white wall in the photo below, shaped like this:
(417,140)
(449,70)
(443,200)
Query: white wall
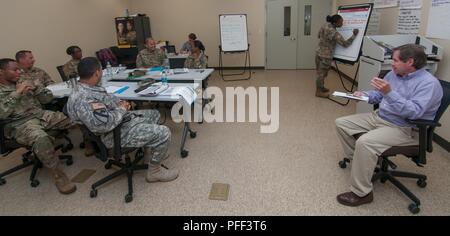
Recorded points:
(173,20)
(48,27)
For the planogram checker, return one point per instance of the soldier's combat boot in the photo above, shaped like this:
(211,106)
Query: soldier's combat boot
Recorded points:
(157,173)
(62,182)
(321,93)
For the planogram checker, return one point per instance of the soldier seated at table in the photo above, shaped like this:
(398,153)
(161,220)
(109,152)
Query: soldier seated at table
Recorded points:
(150,56)
(22,103)
(100,112)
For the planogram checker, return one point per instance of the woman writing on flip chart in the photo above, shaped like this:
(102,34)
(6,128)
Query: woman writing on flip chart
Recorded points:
(328,38)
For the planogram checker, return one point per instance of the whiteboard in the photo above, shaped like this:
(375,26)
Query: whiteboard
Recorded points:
(355,17)
(233,32)
(438,23)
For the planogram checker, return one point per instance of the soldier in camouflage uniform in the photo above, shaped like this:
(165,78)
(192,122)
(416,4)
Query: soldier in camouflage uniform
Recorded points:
(197,59)
(39,77)
(100,112)
(21,102)
(70,68)
(150,56)
(329,37)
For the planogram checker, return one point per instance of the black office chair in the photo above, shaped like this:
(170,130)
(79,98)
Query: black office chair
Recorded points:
(126,167)
(29,158)
(61,73)
(126,56)
(416,153)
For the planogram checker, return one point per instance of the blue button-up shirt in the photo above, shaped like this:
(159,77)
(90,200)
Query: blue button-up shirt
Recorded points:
(415,96)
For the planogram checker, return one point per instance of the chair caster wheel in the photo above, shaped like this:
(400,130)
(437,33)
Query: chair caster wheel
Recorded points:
(414,208)
(343,164)
(82,145)
(421,183)
(34,183)
(2,182)
(108,166)
(93,193)
(193,134)
(128,198)
(69,162)
(383,180)
(184,153)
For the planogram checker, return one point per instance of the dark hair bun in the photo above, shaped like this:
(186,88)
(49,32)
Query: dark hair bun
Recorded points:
(329,18)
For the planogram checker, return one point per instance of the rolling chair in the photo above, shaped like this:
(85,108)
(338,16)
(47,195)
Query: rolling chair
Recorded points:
(28,158)
(126,167)
(416,153)
(125,56)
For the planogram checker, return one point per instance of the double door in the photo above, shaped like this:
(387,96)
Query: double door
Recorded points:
(291,32)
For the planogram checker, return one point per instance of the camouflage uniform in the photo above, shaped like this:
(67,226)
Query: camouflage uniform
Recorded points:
(71,68)
(328,37)
(30,123)
(101,113)
(150,58)
(37,76)
(192,62)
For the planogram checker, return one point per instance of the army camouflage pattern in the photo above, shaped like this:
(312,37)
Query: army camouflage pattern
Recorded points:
(71,68)
(101,113)
(329,37)
(36,75)
(150,58)
(30,123)
(196,63)
(323,65)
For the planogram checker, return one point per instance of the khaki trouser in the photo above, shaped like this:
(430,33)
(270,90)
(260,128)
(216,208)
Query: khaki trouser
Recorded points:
(34,133)
(379,136)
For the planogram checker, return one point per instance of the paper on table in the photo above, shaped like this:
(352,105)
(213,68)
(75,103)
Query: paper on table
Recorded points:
(57,87)
(187,93)
(350,96)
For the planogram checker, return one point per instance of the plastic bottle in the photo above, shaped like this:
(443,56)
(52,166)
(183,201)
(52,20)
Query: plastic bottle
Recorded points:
(108,69)
(164,77)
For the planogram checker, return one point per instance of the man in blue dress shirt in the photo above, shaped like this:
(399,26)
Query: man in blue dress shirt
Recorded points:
(407,92)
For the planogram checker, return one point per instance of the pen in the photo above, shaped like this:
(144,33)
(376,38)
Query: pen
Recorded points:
(122,89)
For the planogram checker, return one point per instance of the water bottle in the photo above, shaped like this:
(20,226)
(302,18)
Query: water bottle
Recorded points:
(108,69)
(164,77)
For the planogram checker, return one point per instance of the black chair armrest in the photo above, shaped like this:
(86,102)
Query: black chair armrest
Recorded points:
(424,123)
(3,122)
(117,134)
(426,128)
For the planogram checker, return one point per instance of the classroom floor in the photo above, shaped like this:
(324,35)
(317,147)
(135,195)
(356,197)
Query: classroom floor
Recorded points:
(291,172)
